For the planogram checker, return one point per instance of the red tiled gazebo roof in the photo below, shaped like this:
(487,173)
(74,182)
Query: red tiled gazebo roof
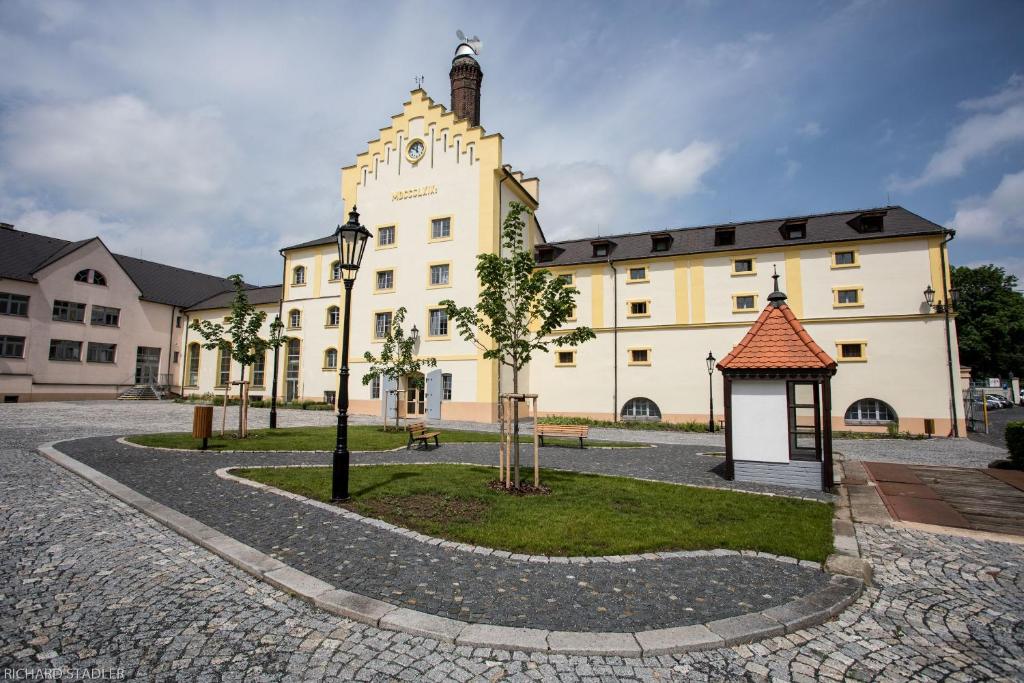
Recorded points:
(777,341)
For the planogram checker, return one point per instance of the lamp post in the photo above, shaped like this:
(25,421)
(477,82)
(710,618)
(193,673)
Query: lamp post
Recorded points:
(710,360)
(351,239)
(275,333)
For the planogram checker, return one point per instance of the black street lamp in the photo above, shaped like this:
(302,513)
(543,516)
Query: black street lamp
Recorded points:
(711,392)
(352,239)
(275,333)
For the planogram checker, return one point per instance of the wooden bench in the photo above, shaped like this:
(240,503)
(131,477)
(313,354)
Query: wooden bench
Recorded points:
(566,431)
(418,432)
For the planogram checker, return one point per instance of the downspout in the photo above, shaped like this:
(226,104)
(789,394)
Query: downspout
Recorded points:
(946,303)
(615,340)
(170,348)
(184,366)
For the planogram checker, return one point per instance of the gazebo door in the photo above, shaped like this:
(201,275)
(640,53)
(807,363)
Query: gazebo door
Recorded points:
(804,408)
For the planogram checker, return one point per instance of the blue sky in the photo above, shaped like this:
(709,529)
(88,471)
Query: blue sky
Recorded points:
(208,135)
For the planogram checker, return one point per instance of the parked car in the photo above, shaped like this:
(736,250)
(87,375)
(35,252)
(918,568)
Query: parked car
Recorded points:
(1007,403)
(993,402)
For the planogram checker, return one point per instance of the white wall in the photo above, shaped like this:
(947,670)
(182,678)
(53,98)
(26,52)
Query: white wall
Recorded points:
(760,429)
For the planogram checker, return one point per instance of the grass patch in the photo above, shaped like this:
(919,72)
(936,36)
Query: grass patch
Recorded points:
(360,438)
(643,426)
(585,514)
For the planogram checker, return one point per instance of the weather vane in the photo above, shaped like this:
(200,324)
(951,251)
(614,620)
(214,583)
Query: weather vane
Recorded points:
(419,81)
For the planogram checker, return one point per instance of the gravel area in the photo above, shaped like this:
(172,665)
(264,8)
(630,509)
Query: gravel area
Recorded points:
(87,582)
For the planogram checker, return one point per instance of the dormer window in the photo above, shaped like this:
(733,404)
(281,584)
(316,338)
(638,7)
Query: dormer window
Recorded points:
(725,237)
(602,248)
(661,242)
(794,230)
(545,254)
(869,222)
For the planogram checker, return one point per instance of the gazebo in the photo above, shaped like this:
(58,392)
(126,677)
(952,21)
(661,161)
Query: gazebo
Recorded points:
(778,403)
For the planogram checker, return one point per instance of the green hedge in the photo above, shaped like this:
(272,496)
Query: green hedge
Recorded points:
(1015,442)
(624,424)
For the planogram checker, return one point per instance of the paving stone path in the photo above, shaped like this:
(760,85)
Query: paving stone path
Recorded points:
(86,581)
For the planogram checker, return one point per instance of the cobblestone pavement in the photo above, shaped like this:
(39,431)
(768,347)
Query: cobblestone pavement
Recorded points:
(655,593)
(86,581)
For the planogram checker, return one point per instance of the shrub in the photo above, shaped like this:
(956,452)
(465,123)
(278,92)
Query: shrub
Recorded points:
(1015,442)
(625,424)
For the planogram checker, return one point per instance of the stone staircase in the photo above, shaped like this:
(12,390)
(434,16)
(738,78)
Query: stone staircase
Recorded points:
(140,392)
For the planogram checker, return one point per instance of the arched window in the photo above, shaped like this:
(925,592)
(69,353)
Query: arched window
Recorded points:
(870,411)
(93,277)
(299,275)
(641,409)
(336,271)
(291,385)
(223,366)
(331,359)
(333,314)
(192,379)
(294,319)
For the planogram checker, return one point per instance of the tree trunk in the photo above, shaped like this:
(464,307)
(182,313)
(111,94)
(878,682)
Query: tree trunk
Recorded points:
(224,414)
(241,405)
(515,418)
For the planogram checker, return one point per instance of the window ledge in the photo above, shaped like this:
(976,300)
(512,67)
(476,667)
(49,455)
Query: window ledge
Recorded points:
(867,423)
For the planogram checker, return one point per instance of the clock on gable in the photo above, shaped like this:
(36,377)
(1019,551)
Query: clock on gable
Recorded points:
(415,150)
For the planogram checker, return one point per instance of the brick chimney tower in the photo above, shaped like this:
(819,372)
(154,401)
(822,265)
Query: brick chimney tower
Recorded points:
(466,76)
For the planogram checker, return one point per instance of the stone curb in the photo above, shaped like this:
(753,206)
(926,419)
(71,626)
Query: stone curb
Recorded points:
(846,560)
(225,473)
(783,619)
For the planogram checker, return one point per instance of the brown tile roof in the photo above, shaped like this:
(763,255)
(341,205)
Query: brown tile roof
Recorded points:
(777,341)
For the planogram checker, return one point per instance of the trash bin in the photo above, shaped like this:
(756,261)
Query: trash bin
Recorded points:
(202,423)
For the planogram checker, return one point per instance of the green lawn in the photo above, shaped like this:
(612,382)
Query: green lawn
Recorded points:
(584,515)
(360,438)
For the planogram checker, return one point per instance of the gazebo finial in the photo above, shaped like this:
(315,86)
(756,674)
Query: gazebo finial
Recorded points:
(777,297)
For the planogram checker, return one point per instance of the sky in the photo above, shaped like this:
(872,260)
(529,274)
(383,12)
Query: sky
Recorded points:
(210,135)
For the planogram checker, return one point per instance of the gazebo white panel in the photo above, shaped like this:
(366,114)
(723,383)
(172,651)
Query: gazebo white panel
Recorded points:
(760,429)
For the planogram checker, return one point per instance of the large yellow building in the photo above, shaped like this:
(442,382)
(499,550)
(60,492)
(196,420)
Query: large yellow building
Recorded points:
(434,188)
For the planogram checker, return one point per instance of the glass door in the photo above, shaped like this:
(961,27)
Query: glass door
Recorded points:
(414,395)
(291,375)
(804,421)
(147,365)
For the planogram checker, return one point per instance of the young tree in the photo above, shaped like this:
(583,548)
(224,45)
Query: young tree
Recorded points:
(519,309)
(396,359)
(989,320)
(241,339)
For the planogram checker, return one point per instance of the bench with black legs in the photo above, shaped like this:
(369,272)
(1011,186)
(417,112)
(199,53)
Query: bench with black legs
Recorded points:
(563,431)
(418,433)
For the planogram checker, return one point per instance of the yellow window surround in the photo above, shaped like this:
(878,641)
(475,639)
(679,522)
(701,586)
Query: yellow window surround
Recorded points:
(328,366)
(630,280)
(859,303)
(860,343)
(292,325)
(390,289)
(753,266)
(854,264)
(638,308)
(430,228)
(430,268)
(436,337)
(735,302)
(376,239)
(560,363)
(391,320)
(297,273)
(327,318)
(639,356)
(330,275)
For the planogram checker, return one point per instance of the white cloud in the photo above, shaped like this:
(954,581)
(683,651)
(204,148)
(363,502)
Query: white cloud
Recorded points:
(999,216)
(1013,265)
(981,134)
(811,129)
(579,200)
(118,153)
(674,173)
(792,168)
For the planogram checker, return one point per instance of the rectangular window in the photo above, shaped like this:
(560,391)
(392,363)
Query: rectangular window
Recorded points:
(68,311)
(744,302)
(259,370)
(12,347)
(329,397)
(381,324)
(385,280)
(177,322)
(440,229)
(101,315)
(567,278)
(725,237)
(794,231)
(847,296)
(601,249)
(386,236)
(63,349)
(638,274)
(100,353)
(844,259)
(13,304)
(375,387)
(294,319)
(439,275)
(544,255)
(804,418)
(639,309)
(565,358)
(175,358)
(639,356)
(743,266)
(438,322)
(446,386)
(223,367)
(661,242)
(851,350)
